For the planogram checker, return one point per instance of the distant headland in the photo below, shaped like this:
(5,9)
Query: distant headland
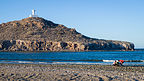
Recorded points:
(37,34)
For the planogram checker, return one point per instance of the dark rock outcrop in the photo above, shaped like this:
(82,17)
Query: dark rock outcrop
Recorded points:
(38,34)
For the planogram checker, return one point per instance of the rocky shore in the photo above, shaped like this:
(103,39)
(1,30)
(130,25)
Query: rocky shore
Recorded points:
(29,72)
(38,34)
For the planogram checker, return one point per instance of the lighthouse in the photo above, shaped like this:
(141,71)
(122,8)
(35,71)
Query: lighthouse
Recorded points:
(33,14)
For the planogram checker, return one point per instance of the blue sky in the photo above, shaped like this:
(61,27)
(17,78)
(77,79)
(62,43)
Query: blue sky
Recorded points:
(104,19)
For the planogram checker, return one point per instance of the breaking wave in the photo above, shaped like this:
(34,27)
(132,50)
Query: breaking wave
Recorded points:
(102,62)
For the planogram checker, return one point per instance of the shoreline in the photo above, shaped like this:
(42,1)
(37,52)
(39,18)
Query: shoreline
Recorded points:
(66,72)
(84,66)
(74,51)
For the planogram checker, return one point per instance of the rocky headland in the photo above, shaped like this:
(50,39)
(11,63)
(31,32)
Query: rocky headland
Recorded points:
(38,34)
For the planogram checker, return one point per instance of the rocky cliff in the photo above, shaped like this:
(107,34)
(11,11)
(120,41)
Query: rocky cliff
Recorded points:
(38,34)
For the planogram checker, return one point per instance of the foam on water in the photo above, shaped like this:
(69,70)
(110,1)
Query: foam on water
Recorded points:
(108,60)
(105,62)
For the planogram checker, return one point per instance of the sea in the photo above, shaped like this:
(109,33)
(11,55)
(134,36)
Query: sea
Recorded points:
(90,58)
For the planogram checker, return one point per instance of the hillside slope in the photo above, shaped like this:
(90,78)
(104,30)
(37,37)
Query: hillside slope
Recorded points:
(38,34)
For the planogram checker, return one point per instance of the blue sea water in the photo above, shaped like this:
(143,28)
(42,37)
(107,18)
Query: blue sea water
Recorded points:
(101,57)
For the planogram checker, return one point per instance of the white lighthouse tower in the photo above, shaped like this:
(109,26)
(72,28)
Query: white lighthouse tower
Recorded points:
(33,14)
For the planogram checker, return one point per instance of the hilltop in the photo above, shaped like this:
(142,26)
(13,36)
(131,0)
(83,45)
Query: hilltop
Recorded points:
(38,34)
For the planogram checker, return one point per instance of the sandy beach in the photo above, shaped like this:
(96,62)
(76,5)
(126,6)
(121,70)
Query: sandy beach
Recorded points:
(35,72)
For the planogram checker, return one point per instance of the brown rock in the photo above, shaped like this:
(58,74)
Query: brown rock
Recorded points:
(38,34)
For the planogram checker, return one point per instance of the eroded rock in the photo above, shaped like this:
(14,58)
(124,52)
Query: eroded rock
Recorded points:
(26,45)
(38,34)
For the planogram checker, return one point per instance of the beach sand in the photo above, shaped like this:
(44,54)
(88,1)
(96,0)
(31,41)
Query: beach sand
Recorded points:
(35,72)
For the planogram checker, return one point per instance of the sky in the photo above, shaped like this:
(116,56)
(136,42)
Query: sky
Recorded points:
(103,19)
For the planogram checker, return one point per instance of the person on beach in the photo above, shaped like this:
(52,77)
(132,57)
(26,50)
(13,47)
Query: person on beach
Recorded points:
(118,63)
(121,61)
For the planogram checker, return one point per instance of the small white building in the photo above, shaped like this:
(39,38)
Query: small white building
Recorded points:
(33,14)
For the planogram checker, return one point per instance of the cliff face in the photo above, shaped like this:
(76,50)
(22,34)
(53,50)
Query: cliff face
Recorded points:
(38,34)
